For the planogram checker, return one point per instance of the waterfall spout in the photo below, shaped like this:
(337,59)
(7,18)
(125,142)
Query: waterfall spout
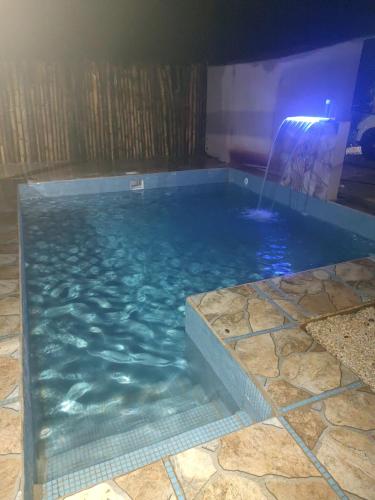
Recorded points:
(299,143)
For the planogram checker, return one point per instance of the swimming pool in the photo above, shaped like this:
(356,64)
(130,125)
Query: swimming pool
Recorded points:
(107,276)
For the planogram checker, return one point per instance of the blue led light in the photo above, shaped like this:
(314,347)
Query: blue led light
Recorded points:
(306,119)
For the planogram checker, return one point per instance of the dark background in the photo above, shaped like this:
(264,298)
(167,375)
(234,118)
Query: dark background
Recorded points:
(177,31)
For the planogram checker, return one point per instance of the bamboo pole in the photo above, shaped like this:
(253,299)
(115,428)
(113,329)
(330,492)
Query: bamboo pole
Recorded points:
(56,111)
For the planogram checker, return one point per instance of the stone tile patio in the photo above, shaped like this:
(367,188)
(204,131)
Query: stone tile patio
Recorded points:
(315,397)
(290,366)
(340,431)
(149,483)
(10,366)
(322,406)
(237,311)
(259,462)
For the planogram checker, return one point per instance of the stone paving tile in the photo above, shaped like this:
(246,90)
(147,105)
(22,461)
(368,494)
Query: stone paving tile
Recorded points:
(316,292)
(6,227)
(9,217)
(359,274)
(287,304)
(340,431)
(237,311)
(8,259)
(10,415)
(9,376)
(7,248)
(290,366)
(9,272)
(8,287)
(8,236)
(148,483)
(102,491)
(9,306)
(10,325)
(10,476)
(259,462)
(10,431)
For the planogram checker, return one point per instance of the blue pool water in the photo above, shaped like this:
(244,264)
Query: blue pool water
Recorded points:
(107,276)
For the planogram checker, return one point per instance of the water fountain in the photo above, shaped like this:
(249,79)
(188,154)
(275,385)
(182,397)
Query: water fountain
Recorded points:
(300,158)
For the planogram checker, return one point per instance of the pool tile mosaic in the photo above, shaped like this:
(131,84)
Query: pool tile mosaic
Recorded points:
(126,463)
(98,450)
(239,385)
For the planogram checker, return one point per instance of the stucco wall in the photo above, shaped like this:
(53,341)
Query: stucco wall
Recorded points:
(247,102)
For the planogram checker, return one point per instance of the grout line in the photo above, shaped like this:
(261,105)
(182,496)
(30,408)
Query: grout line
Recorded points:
(8,336)
(322,396)
(241,418)
(5,402)
(281,292)
(361,295)
(173,478)
(274,329)
(327,476)
(271,301)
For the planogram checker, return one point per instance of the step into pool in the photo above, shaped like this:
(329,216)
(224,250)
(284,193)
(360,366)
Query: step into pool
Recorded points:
(112,369)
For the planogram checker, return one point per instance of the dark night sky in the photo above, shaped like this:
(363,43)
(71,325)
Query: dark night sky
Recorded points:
(177,31)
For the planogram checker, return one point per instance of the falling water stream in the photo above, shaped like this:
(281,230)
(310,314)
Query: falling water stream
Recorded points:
(289,137)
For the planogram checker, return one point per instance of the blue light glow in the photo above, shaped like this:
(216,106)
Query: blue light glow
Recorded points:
(307,119)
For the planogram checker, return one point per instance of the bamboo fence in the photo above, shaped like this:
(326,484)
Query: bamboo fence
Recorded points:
(58,112)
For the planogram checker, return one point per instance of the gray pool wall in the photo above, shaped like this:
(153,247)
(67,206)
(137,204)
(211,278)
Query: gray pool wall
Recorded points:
(344,217)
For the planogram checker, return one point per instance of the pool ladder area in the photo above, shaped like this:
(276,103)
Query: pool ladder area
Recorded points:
(137,184)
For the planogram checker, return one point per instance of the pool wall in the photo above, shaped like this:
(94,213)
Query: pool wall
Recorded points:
(242,389)
(344,217)
(347,218)
(27,422)
(124,183)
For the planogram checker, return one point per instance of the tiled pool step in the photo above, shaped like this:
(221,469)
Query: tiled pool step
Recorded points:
(115,425)
(122,443)
(85,478)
